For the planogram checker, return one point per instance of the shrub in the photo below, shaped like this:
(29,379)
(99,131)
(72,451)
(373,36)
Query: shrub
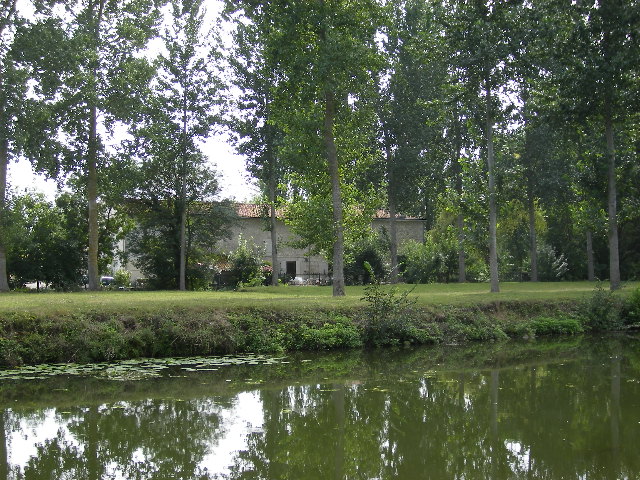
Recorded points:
(561,325)
(551,265)
(602,310)
(632,308)
(246,265)
(371,251)
(341,334)
(122,278)
(256,335)
(388,316)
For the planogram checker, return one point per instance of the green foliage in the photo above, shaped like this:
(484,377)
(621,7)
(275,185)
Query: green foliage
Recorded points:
(551,265)
(122,278)
(387,318)
(342,333)
(556,326)
(473,325)
(254,334)
(154,242)
(365,260)
(632,308)
(246,265)
(602,310)
(436,260)
(45,241)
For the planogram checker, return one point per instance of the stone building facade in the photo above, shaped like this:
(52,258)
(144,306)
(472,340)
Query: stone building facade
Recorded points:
(253,227)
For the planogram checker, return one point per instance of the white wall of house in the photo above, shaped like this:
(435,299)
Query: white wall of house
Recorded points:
(254,229)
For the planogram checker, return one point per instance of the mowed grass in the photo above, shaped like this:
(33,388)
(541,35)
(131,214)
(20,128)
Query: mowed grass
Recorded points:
(286,298)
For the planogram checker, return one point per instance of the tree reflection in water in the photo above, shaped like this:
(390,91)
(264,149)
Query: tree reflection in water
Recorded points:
(387,415)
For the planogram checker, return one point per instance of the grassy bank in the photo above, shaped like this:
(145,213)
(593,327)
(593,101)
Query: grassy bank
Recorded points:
(103,326)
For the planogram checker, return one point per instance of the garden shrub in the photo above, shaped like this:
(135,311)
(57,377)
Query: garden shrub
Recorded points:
(387,316)
(246,265)
(602,310)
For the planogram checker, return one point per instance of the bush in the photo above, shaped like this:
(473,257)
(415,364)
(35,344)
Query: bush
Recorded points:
(341,334)
(371,251)
(632,308)
(429,262)
(122,278)
(561,325)
(551,266)
(246,265)
(602,310)
(388,316)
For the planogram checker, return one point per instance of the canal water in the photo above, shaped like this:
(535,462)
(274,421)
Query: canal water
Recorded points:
(565,409)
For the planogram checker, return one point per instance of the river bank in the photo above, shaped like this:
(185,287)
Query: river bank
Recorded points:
(54,328)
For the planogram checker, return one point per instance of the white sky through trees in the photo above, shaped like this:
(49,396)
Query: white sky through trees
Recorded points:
(234,180)
(233,177)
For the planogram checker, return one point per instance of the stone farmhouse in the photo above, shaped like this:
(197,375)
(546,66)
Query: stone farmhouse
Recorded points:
(252,227)
(293,262)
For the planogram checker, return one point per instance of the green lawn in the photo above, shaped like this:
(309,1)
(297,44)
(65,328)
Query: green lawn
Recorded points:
(283,298)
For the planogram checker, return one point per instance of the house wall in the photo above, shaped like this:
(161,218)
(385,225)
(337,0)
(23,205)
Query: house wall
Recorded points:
(253,230)
(309,267)
(407,229)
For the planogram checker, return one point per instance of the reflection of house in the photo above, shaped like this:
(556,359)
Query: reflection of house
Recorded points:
(253,227)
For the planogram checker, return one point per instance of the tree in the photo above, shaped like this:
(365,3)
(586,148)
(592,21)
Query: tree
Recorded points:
(102,86)
(410,111)
(594,70)
(175,183)
(324,52)
(47,241)
(25,94)
(256,136)
(482,35)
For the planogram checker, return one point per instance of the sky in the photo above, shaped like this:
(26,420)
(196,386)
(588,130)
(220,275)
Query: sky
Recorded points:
(234,179)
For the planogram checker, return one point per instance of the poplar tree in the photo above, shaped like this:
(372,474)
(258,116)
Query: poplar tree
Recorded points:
(28,85)
(325,54)
(102,88)
(176,185)
(255,134)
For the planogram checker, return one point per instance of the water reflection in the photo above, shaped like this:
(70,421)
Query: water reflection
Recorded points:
(571,412)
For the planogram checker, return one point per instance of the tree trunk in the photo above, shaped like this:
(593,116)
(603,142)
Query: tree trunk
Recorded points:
(4,160)
(533,238)
(92,198)
(92,160)
(393,226)
(462,267)
(336,195)
(4,451)
(275,263)
(9,10)
(614,259)
(493,243)
(183,247)
(182,280)
(530,180)
(590,269)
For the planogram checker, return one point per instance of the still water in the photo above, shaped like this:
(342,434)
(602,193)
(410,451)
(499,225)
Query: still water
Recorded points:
(543,410)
